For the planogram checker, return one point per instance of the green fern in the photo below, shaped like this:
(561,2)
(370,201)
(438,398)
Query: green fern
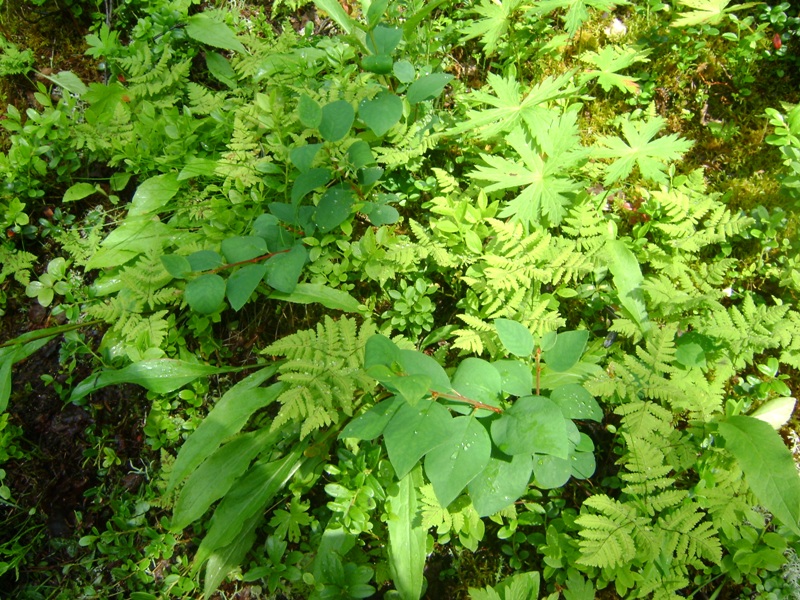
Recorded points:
(17,263)
(324,371)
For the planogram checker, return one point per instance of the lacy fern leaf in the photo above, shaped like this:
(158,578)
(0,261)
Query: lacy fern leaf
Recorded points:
(323,368)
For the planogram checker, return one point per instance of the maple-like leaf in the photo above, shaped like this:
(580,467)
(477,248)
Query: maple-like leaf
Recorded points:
(609,61)
(640,149)
(706,12)
(497,17)
(511,110)
(542,171)
(576,11)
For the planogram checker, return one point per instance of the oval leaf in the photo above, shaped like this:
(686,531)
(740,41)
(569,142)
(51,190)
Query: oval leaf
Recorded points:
(337,119)
(515,337)
(205,294)
(533,424)
(243,283)
(428,87)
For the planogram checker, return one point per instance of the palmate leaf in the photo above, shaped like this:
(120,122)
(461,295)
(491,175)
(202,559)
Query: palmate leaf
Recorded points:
(511,110)
(577,12)
(650,155)
(497,17)
(548,190)
(609,61)
(706,12)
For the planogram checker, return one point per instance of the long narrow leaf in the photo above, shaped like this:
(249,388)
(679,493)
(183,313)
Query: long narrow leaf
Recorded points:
(406,539)
(225,560)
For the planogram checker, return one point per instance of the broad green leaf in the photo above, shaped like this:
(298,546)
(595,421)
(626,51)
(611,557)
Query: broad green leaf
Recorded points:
(242,248)
(337,119)
(370,176)
(383,39)
(776,412)
(137,235)
(404,71)
(68,81)
(333,208)
(427,87)
(459,459)
(224,560)
(511,110)
(160,375)
(382,214)
(767,465)
(206,30)
(198,167)
(628,280)
(407,538)
(516,377)
(380,64)
(502,482)
(176,265)
(308,182)
(302,157)
(375,12)
(567,350)
(478,380)
(224,420)
(371,424)
(204,260)
(249,496)
(242,283)
(277,237)
(583,464)
(413,432)
(381,113)
(640,149)
(515,337)
(79,191)
(220,68)
(308,293)
(412,388)
(417,363)
(380,350)
(283,270)
(360,155)
(212,479)
(533,424)
(309,111)
(153,193)
(576,402)
(205,294)
(551,472)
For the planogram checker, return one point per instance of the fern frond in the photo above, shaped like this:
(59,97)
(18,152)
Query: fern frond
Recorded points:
(607,535)
(324,370)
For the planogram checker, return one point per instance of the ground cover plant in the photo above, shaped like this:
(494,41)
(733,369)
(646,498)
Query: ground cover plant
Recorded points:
(490,299)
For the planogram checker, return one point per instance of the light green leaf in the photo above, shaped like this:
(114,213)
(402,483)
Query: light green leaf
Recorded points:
(609,61)
(308,293)
(459,459)
(515,337)
(407,538)
(310,112)
(404,71)
(160,375)
(224,560)
(337,13)
(551,472)
(567,350)
(68,81)
(497,17)
(516,376)
(427,87)
(333,208)
(225,419)
(79,191)
(383,40)
(206,30)
(220,68)
(153,193)
(767,465)
(176,265)
(707,12)
(205,294)
(478,380)
(283,269)
(776,412)
(628,280)
(576,402)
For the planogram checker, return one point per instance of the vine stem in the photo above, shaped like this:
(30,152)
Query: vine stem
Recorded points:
(249,261)
(476,404)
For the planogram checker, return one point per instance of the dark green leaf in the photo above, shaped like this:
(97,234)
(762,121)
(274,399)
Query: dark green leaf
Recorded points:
(407,538)
(516,376)
(381,113)
(417,363)
(478,380)
(383,40)
(427,87)
(79,191)
(337,119)
(176,265)
(334,208)
(302,157)
(463,455)
(576,402)
(533,424)
(501,483)
(204,260)
(404,71)
(241,248)
(368,177)
(310,112)
(308,293)
(375,12)
(283,270)
(382,215)
(371,424)
(242,283)
(567,350)
(220,68)
(309,181)
(380,64)
(205,294)
(360,155)
(380,350)
(413,432)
